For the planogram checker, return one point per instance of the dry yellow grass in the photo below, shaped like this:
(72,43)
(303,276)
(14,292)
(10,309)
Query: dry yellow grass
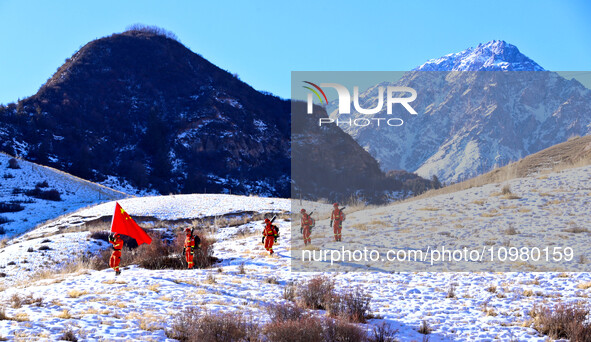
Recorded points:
(76,293)
(21,317)
(150,322)
(90,311)
(505,207)
(491,213)
(479,202)
(491,312)
(64,314)
(154,287)
(567,155)
(116,303)
(429,209)
(584,286)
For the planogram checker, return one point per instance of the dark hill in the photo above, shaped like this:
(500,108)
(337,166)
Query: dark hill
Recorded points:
(144,108)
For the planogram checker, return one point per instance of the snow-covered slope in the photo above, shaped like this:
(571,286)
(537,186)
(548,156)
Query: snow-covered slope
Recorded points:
(170,208)
(74,192)
(492,56)
(140,304)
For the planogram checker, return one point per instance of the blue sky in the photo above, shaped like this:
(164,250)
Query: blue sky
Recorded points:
(263,41)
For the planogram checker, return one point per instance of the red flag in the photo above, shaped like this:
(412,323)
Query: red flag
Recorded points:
(124,224)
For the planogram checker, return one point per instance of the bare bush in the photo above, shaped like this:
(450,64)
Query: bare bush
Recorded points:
(191,325)
(568,321)
(10,207)
(152,29)
(68,335)
(425,328)
(50,195)
(342,331)
(183,325)
(384,333)
(289,292)
(316,292)
(352,305)
(13,164)
(451,292)
(506,190)
(303,330)
(284,312)
(16,301)
(3,316)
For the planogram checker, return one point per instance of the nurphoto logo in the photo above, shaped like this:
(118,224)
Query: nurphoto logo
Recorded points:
(393,96)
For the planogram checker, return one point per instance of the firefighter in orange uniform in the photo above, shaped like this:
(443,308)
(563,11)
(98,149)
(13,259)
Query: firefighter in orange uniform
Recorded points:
(270,235)
(116,255)
(336,221)
(189,248)
(307,223)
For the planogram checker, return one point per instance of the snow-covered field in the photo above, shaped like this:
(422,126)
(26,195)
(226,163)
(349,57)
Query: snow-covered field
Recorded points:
(171,208)
(550,211)
(139,304)
(75,193)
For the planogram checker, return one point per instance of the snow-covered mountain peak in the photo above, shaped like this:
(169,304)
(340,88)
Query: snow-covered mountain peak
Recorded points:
(492,56)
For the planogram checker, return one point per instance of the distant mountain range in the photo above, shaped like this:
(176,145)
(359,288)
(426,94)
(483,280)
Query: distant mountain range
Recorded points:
(478,109)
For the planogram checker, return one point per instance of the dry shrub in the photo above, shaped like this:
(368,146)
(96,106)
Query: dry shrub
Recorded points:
(568,321)
(284,312)
(316,292)
(451,292)
(68,335)
(163,253)
(310,328)
(303,330)
(351,305)
(3,316)
(16,302)
(342,331)
(289,292)
(424,328)
(384,333)
(191,325)
(271,280)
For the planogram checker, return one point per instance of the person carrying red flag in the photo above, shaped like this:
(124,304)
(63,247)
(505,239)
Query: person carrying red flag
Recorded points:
(189,248)
(270,235)
(123,224)
(117,242)
(306,226)
(337,217)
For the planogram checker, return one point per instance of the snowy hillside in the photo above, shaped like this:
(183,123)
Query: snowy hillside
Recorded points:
(23,189)
(551,210)
(169,208)
(141,304)
(493,56)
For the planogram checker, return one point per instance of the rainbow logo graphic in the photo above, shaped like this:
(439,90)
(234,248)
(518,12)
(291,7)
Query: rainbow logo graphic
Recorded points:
(315,92)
